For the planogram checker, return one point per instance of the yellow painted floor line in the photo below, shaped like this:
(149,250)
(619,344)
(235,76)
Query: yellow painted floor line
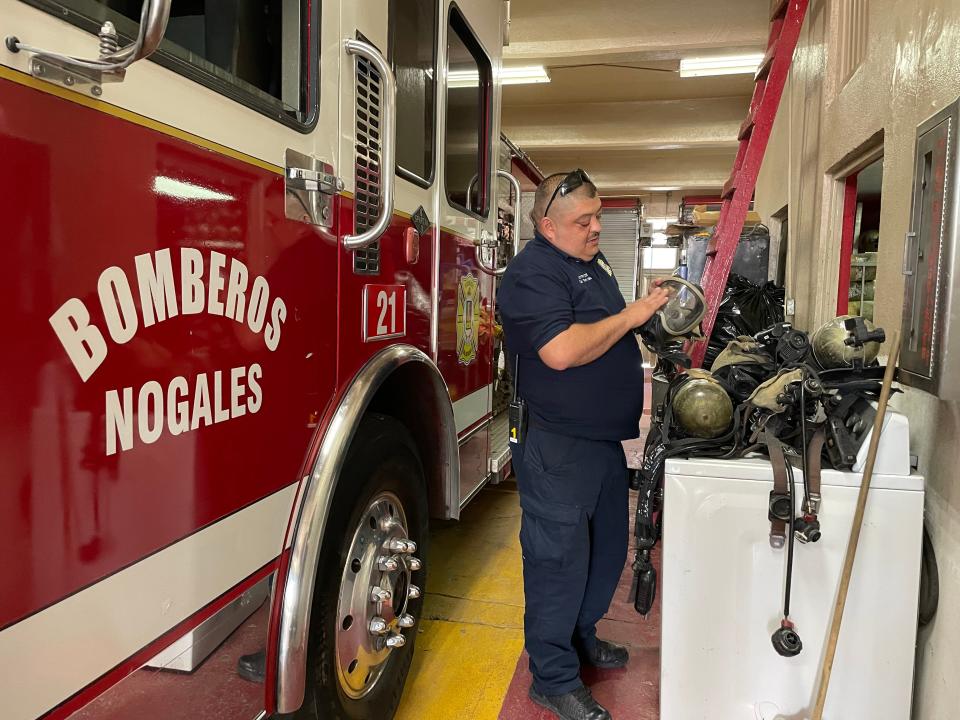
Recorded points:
(471,634)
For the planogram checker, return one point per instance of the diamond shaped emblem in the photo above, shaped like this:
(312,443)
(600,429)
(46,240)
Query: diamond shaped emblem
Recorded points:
(420,220)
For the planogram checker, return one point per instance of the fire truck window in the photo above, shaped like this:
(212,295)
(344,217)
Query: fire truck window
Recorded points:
(413,35)
(467,143)
(254,51)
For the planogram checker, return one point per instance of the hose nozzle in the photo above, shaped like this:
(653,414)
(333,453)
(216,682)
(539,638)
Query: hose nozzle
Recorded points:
(786,641)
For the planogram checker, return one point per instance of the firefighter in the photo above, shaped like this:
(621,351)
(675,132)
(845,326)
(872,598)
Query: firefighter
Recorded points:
(579,379)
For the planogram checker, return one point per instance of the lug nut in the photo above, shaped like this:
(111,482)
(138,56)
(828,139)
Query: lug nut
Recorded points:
(413,592)
(378,626)
(388,564)
(379,595)
(400,545)
(406,621)
(396,641)
(414,564)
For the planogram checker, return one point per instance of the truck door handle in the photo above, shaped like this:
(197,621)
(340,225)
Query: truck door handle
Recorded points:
(515,185)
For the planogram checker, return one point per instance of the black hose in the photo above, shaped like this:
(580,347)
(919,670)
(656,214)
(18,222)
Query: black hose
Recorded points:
(929,582)
(790,539)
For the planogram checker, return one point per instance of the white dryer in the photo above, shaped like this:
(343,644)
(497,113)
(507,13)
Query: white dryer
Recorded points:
(722,586)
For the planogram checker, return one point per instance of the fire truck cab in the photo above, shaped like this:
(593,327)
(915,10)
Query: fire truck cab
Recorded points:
(251,278)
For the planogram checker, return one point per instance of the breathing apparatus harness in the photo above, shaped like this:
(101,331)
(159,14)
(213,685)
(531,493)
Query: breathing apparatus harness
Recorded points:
(786,405)
(665,441)
(804,397)
(798,386)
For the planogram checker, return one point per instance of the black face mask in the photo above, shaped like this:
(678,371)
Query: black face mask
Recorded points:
(671,326)
(665,346)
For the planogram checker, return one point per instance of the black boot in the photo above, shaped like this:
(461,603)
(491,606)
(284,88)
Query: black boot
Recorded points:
(576,705)
(606,654)
(253,667)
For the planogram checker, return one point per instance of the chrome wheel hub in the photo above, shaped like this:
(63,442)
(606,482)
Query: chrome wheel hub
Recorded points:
(374,593)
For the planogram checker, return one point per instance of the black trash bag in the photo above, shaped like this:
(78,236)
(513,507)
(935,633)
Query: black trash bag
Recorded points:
(746,309)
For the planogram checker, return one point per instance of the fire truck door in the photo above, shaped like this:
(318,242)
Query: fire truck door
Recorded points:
(174,316)
(443,57)
(400,263)
(469,48)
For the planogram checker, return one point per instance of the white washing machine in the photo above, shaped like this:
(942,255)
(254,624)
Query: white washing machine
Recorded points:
(722,586)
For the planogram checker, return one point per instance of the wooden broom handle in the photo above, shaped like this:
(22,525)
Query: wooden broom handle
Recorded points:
(827,668)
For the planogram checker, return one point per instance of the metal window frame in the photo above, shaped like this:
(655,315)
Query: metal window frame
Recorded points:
(424,182)
(310,21)
(485,121)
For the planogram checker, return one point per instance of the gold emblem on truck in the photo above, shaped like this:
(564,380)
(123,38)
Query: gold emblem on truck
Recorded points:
(468,319)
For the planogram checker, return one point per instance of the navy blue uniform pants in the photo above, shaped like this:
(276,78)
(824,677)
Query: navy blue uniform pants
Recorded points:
(573,534)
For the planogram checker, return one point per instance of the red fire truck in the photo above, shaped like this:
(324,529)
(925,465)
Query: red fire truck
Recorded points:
(246,366)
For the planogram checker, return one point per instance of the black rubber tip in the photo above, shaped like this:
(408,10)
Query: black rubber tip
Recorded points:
(13,43)
(808,531)
(646,591)
(786,642)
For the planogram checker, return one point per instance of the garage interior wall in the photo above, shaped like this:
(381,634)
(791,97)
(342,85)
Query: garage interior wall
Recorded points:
(865,74)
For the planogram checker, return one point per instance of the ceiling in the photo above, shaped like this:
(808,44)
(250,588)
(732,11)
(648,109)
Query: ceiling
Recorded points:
(616,105)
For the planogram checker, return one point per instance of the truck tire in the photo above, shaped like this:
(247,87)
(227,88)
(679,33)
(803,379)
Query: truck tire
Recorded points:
(366,611)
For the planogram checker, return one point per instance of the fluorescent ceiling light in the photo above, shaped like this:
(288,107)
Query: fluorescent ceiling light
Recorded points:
(663,188)
(730,65)
(508,76)
(163,185)
(524,75)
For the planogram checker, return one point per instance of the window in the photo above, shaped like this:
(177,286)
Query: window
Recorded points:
(467,154)
(258,52)
(860,242)
(661,259)
(413,40)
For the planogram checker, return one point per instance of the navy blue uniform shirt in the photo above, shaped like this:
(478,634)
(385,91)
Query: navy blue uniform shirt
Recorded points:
(545,291)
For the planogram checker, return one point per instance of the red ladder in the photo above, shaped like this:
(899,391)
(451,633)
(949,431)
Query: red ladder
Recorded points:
(786,19)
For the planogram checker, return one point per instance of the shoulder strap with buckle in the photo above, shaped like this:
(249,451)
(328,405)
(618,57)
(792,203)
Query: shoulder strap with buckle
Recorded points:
(814,466)
(779,510)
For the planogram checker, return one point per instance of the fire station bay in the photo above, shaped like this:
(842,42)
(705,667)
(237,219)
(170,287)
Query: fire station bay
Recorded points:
(479,360)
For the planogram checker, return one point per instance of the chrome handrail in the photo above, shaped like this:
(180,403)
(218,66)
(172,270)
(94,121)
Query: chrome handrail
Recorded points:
(515,184)
(154,15)
(388,140)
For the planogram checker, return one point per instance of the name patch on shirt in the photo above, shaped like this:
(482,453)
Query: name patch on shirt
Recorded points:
(584,278)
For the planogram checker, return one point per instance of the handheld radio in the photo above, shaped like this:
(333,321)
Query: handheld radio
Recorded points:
(517,410)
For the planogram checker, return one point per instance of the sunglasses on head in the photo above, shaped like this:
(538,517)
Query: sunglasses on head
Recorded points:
(570,183)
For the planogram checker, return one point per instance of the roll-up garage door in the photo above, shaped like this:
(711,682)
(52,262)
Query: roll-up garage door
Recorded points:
(619,242)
